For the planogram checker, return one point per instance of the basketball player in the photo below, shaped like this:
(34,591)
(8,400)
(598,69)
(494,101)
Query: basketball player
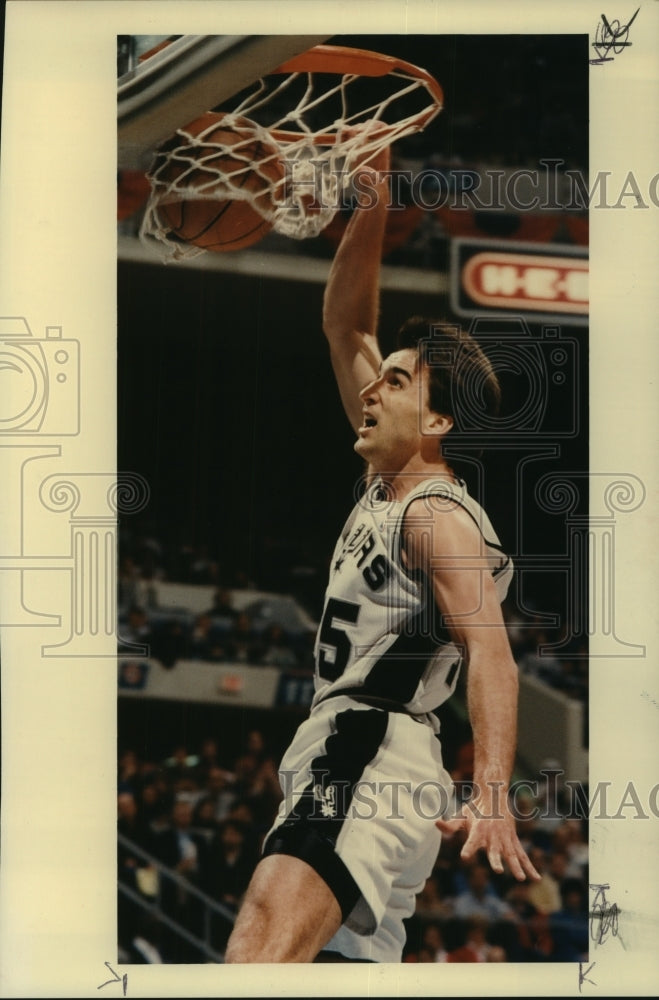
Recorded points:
(415,589)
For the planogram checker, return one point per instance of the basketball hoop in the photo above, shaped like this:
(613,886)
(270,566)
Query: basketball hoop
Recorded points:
(319,118)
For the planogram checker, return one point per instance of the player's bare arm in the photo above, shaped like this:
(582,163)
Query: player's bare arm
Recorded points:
(449,549)
(351,303)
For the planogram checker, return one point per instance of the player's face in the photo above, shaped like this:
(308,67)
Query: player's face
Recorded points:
(395,410)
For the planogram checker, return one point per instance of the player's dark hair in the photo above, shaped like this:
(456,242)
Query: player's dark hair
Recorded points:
(460,376)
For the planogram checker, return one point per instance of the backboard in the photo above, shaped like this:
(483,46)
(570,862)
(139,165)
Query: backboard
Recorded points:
(188,76)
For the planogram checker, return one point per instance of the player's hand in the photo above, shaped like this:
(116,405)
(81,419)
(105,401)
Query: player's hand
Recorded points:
(491,830)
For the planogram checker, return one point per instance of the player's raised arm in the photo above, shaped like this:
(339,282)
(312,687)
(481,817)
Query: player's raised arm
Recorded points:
(351,303)
(452,556)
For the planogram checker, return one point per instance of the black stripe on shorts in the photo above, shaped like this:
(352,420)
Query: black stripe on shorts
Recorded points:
(311,829)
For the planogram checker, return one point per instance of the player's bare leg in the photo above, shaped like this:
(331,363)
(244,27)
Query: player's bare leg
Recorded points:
(288,915)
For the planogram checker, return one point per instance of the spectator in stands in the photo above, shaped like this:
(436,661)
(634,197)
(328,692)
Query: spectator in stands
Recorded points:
(569,925)
(422,955)
(433,941)
(480,899)
(135,630)
(242,812)
(185,852)
(429,902)
(545,894)
(141,944)
(132,866)
(132,825)
(231,861)
(254,757)
(243,645)
(278,651)
(208,757)
(257,780)
(517,898)
(570,837)
(206,640)
(203,817)
(129,776)
(156,800)
(222,607)
(531,942)
(180,772)
(178,847)
(219,790)
(254,825)
(170,640)
(134,589)
(475,947)
(133,674)
(558,866)
(230,864)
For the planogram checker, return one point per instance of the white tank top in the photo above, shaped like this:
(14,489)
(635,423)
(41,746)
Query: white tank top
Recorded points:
(381,634)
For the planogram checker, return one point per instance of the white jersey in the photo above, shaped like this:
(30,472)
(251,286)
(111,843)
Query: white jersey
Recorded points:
(381,635)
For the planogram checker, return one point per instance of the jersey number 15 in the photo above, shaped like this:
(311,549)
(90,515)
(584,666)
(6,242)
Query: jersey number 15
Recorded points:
(335,638)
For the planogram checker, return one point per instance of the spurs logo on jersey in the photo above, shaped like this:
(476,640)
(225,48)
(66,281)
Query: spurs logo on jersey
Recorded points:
(327,800)
(381,630)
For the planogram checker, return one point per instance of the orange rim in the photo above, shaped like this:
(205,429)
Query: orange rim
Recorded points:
(340,60)
(357,62)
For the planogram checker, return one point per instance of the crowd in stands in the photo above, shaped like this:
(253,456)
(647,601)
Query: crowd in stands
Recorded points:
(204,822)
(558,658)
(223,633)
(215,636)
(204,814)
(468,913)
(202,811)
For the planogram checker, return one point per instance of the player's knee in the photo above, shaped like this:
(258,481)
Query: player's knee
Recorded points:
(239,950)
(251,931)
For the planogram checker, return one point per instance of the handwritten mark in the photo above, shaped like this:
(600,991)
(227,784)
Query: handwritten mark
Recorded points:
(117,979)
(610,38)
(603,916)
(648,697)
(583,976)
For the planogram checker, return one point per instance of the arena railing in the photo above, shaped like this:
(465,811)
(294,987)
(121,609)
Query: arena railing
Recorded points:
(153,904)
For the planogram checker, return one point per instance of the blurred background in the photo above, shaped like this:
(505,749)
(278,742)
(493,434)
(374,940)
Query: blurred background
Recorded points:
(228,408)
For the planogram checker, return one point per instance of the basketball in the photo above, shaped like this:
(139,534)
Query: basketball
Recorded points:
(226,164)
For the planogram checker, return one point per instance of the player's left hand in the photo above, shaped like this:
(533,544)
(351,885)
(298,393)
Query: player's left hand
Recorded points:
(491,830)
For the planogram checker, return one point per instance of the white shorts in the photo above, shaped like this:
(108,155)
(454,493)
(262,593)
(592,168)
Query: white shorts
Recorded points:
(362,790)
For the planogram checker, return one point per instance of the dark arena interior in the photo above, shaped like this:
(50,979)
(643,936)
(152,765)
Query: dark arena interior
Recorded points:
(228,409)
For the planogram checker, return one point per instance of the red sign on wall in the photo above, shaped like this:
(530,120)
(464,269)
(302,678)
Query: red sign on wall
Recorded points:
(547,284)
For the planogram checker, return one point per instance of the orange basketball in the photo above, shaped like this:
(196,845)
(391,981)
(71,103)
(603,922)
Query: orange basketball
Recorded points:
(222,223)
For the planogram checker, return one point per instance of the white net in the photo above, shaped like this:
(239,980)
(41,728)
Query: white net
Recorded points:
(290,148)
